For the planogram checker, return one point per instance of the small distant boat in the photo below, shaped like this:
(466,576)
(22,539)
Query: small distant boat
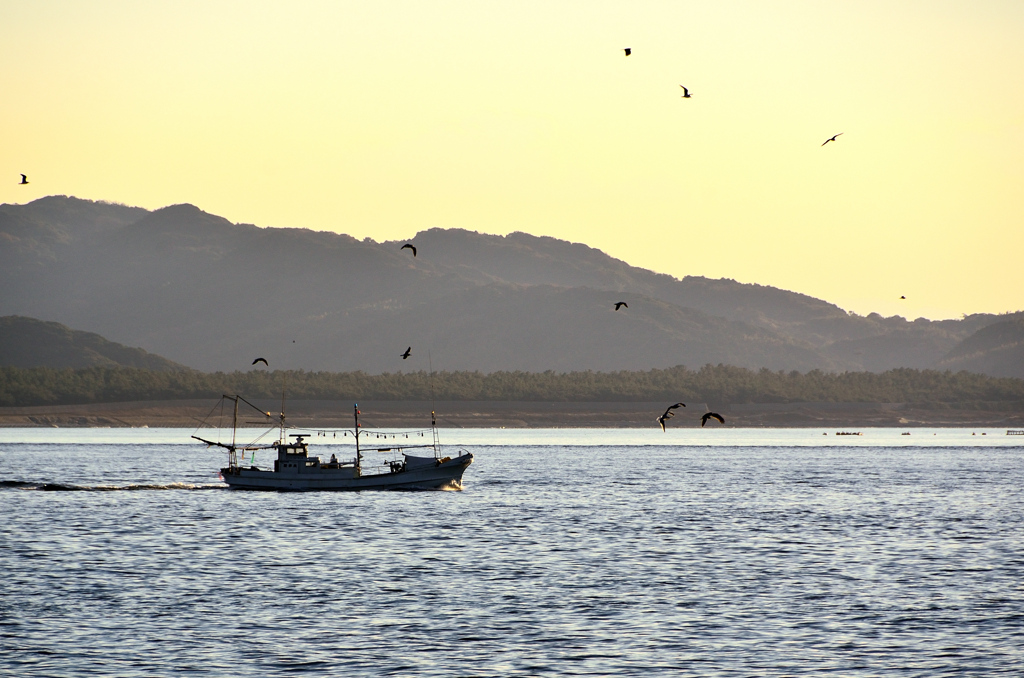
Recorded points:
(905,433)
(849,433)
(296,470)
(1015,432)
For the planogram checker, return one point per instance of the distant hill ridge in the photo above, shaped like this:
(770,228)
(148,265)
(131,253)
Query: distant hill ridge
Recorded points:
(212,295)
(27,342)
(994,349)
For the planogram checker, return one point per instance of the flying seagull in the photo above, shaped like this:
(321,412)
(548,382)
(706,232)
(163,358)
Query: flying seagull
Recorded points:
(261,360)
(619,304)
(669,414)
(409,246)
(408,352)
(24,180)
(628,51)
(686,93)
(832,138)
(711,415)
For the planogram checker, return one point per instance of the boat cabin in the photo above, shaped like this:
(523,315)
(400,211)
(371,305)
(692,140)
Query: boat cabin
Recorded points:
(294,457)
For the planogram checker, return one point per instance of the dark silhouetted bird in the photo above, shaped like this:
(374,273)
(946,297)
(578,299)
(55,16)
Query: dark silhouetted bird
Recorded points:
(619,304)
(261,360)
(408,352)
(686,93)
(668,414)
(24,180)
(902,297)
(832,138)
(711,415)
(410,246)
(628,51)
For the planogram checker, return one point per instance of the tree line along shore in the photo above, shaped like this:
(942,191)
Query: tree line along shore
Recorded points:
(714,385)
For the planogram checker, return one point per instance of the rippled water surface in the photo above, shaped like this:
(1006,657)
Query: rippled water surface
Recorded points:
(691,553)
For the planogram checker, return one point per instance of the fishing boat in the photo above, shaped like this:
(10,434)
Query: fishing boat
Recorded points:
(296,470)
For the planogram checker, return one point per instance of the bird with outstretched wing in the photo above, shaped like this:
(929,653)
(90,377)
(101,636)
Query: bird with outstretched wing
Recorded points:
(669,414)
(711,415)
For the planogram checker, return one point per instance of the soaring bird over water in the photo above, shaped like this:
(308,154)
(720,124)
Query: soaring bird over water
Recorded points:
(711,415)
(618,304)
(669,414)
(24,180)
(832,138)
(686,93)
(261,360)
(409,246)
(627,50)
(408,352)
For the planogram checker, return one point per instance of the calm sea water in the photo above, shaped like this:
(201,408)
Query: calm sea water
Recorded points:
(716,552)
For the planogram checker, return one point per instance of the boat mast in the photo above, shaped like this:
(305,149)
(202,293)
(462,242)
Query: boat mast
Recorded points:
(284,388)
(433,417)
(359,455)
(437,441)
(232,451)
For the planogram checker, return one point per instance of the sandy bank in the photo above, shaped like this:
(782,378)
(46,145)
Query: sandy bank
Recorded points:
(483,414)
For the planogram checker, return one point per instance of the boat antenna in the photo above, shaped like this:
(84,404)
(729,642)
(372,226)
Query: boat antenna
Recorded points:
(284,384)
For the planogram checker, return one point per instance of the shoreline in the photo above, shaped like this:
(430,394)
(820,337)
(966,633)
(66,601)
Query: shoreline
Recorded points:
(510,414)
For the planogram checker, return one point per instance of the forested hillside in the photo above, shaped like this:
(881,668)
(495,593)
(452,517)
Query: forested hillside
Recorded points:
(710,384)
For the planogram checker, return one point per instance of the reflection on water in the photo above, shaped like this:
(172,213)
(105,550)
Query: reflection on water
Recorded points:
(567,552)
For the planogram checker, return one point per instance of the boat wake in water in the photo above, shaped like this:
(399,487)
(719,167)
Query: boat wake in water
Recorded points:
(69,487)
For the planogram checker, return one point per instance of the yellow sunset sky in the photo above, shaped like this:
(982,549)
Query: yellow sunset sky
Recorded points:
(384,118)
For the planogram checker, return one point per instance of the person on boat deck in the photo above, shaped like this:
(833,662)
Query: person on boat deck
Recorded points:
(334,460)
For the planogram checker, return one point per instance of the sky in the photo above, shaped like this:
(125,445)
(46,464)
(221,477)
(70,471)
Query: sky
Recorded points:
(381,119)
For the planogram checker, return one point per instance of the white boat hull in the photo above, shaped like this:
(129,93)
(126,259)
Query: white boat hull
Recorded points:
(445,475)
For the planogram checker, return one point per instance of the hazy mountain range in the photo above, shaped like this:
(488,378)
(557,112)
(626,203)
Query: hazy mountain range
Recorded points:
(213,295)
